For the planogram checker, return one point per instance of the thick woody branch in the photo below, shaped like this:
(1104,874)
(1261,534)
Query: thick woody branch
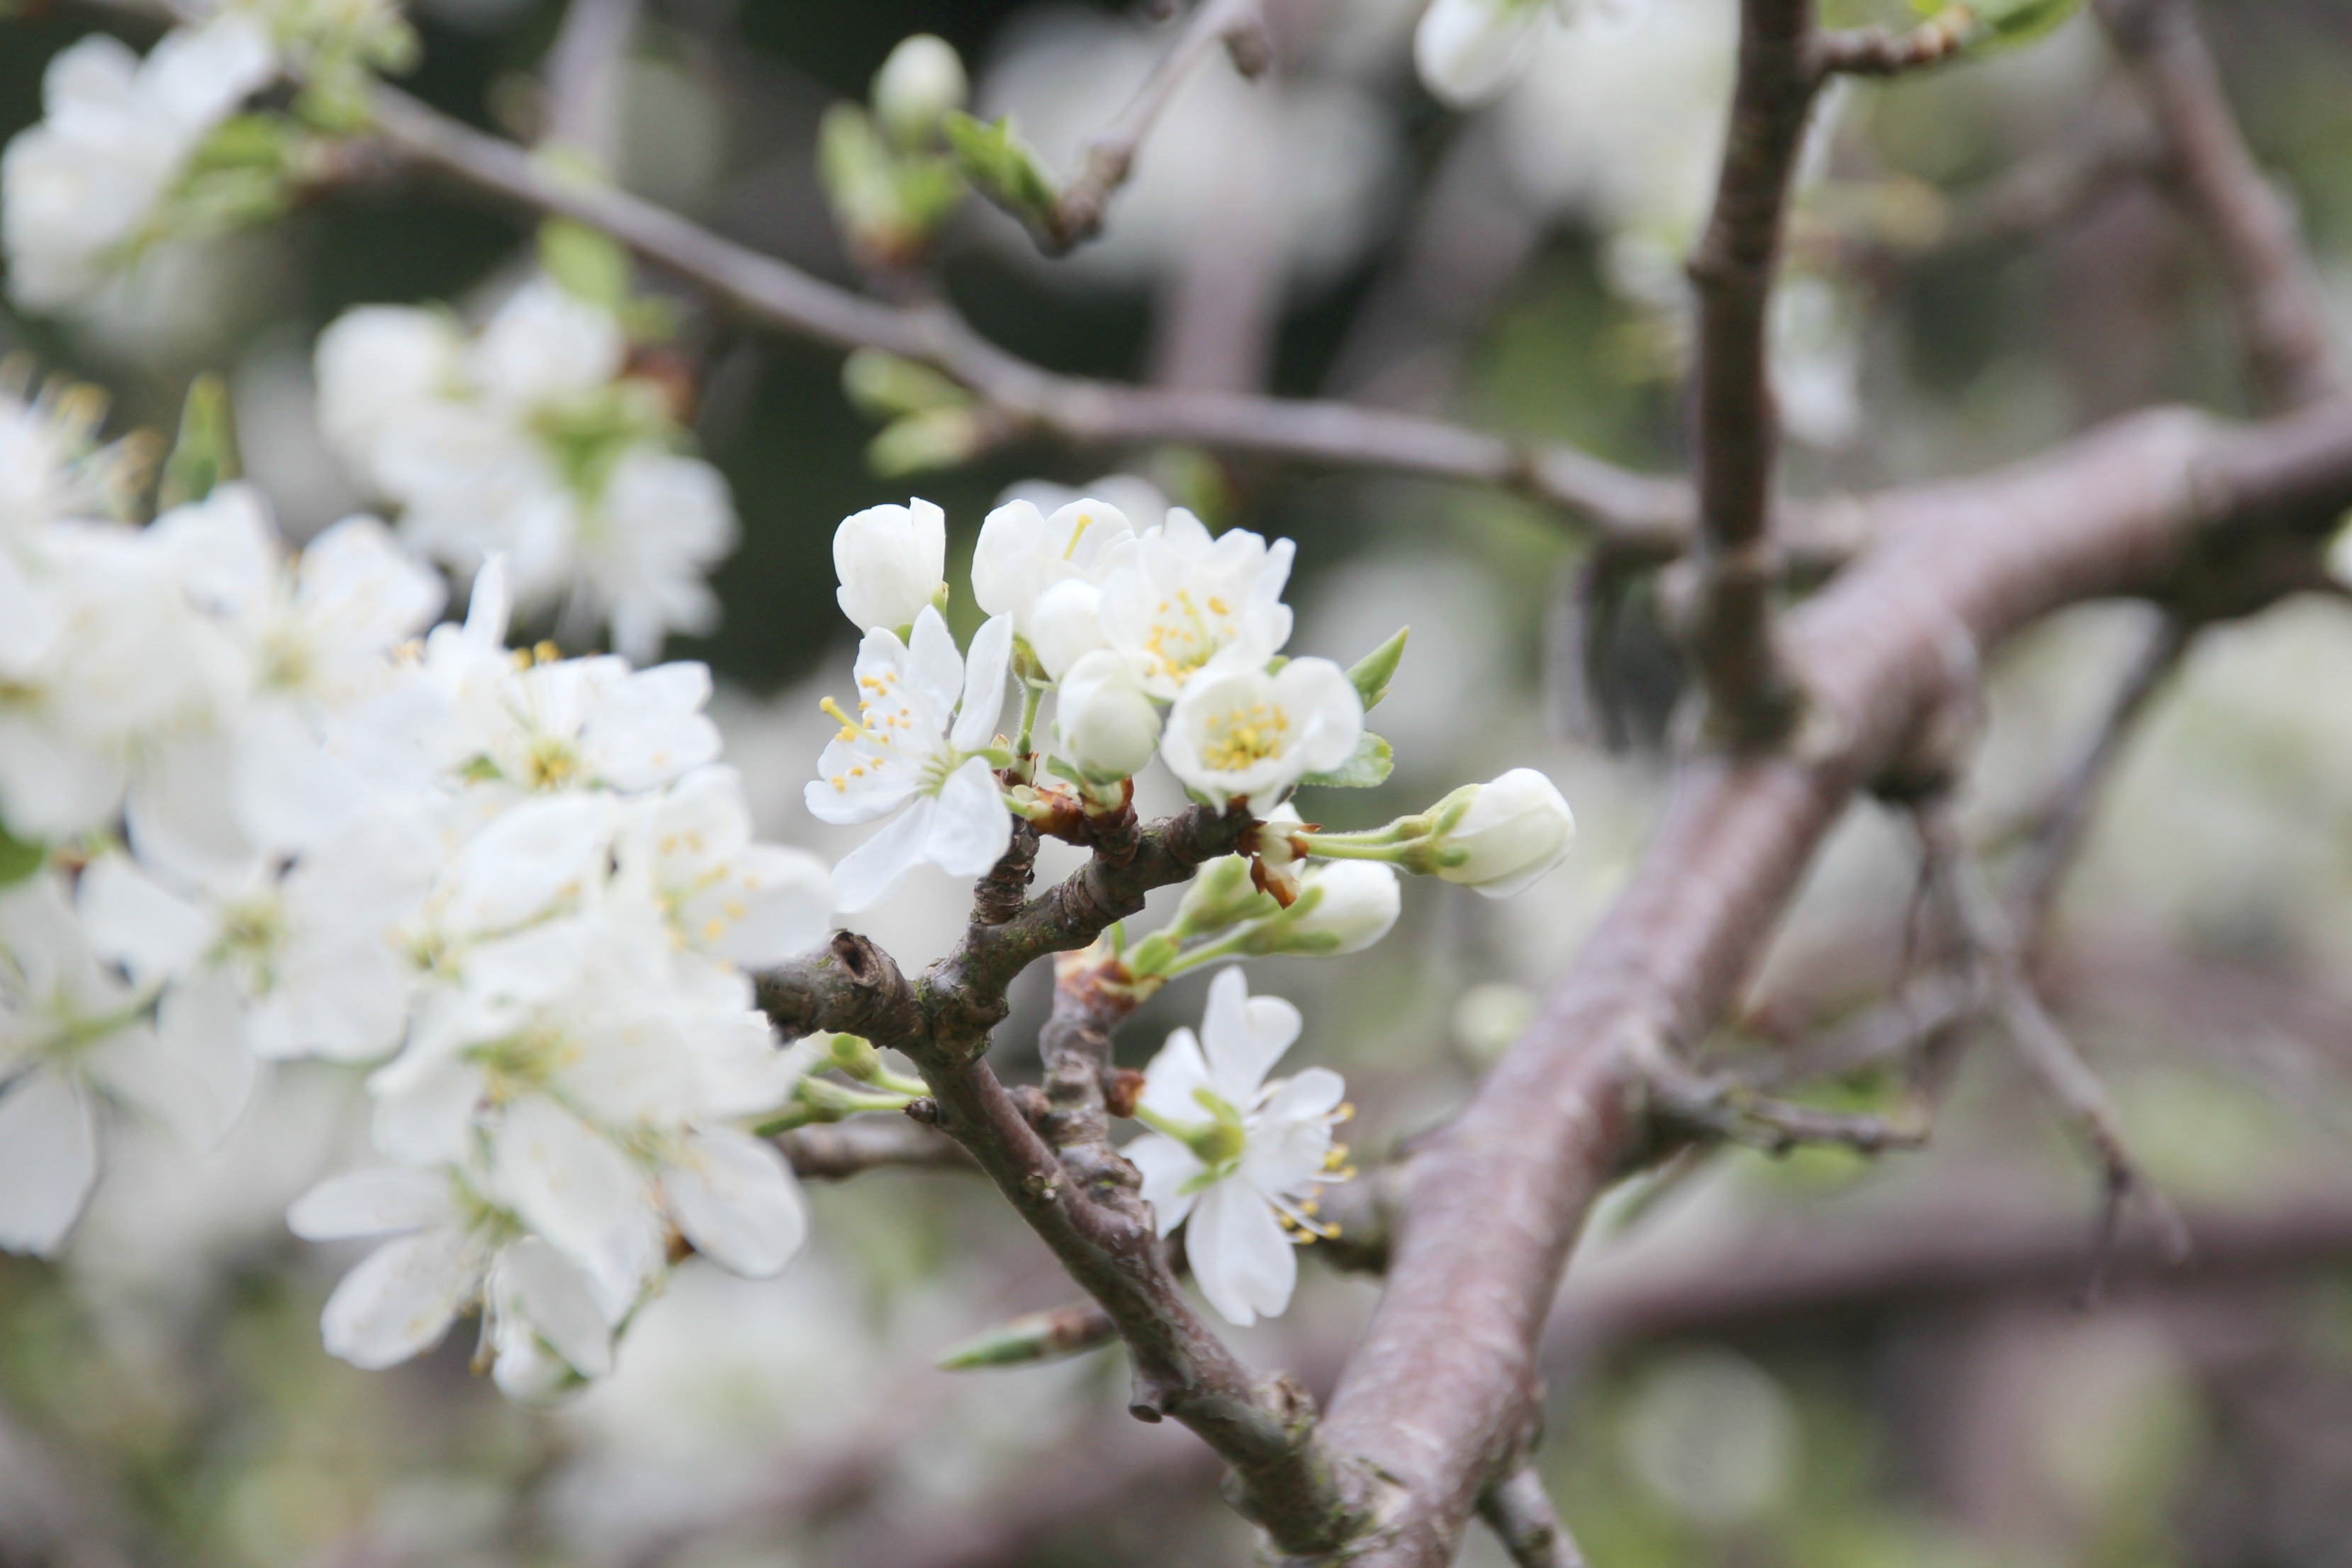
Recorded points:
(1752,701)
(1077,215)
(2282,314)
(1495,1200)
(1646,515)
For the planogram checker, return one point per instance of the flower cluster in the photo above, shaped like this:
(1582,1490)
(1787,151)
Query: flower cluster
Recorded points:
(88,187)
(535,440)
(1165,644)
(245,816)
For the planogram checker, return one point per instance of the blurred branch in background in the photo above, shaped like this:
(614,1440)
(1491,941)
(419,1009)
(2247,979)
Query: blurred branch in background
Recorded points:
(584,80)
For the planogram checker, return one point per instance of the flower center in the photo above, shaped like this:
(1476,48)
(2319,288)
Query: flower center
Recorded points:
(1242,736)
(551,762)
(1186,634)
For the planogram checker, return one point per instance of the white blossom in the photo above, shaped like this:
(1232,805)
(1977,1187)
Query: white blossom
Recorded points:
(724,895)
(1183,598)
(921,80)
(924,716)
(1022,552)
(1240,734)
(531,440)
(1105,724)
(70,1032)
(1231,1154)
(80,190)
(1469,50)
(892,564)
(1515,830)
(1344,906)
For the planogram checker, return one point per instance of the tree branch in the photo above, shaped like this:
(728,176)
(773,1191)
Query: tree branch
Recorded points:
(1497,1198)
(1648,516)
(834,1152)
(1077,215)
(1883,52)
(584,79)
(1522,1518)
(2291,354)
(1752,702)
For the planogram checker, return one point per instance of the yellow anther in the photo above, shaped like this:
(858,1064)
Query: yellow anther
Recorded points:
(841,784)
(850,728)
(547,653)
(713,928)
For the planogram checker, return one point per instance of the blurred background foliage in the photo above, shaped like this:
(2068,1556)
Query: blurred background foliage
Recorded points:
(163,1398)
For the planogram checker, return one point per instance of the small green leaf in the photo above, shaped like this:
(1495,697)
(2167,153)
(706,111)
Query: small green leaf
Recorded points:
(18,859)
(204,457)
(935,438)
(1373,673)
(1002,167)
(589,266)
(1373,762)
(886,386)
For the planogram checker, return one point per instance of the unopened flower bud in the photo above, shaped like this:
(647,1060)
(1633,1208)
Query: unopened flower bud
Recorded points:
(1279,845)
(1343,907)
(1104,725)
(1502,835)
(892,562)
(916,86)
(1065,625)
(1222,894)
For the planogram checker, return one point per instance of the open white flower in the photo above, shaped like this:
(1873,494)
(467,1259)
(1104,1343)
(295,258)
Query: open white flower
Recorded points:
(924,716)
(1022,552)
(70,1031)
(1183,598)
(450,1249)
(534,442)
(1468,51)
(1234,1154)
(1238,733)
(78,190)
(892,562)
(724,895)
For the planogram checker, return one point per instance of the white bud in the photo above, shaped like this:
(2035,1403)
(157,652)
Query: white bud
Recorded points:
(1468,51)
(892,562)
(1355,900)
(1516,829)
(1104,725)
(916,86)
(1065,625)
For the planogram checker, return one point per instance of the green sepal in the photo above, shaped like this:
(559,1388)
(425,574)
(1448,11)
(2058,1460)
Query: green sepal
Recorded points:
(2021,21)
(204,455)
(1373,673)
(1001,167)
(19,859)
(1374,760)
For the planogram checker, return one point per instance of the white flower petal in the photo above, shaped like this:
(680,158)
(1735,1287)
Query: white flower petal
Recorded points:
(401,1298)
(1244,1036)
(991,660)
(583,1194)
(136,921)
(1166,1167)
(49,1161)
(377,1201)
(872,872)
(536,1283)
(971,829)
(735,1198)
(1242,1258)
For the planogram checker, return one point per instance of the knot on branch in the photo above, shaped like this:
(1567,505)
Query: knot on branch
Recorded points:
(852,987)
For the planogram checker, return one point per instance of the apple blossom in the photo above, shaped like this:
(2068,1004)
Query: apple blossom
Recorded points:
(1231,1156)
(925,716)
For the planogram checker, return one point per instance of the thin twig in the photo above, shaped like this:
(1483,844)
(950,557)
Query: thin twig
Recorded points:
(1752,703)
(1726,1108)
(1519,1513)
(837,1151)
(1108,158)
(2057,833)
(1883,51)
(2041,1043)
(2291,353)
